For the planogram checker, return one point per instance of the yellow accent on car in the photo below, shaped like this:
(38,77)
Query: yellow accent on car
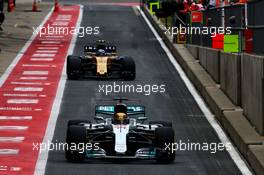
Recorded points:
(101,65)
(120,116)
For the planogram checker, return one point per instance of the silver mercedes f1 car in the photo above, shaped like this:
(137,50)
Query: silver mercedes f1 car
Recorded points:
(119,133)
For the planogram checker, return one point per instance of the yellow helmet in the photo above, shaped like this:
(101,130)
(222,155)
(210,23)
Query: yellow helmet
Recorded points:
(120,116)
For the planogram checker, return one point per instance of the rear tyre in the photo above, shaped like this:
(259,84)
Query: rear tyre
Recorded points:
(129,68)
(163,137)
(76,140)
(163,123)
(77,122)
(73,67)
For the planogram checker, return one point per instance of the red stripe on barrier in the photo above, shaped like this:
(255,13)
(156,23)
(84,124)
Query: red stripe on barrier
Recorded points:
(27,95)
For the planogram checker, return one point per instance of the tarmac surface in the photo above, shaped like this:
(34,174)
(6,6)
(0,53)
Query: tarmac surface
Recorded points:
(125,28)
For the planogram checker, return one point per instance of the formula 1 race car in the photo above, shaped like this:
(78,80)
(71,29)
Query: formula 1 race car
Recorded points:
(121,135)
(100,61)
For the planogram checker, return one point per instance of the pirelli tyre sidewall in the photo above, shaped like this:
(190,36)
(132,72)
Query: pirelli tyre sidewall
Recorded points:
(163,137)
(78,122)
(163,123)
(129,68)
(73,67)
(76,135)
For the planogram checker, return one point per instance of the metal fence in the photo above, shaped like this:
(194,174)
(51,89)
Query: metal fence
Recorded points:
(241,18)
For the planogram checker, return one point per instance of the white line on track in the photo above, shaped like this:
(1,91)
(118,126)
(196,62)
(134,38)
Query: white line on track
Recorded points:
(41,59)
(19,128)
(45,55)
(39,65)
(46,51)
(51,39)
(11,139)
(9,168)
(22,101)
(27,89)
(33,78)
(43,155)
(9,151)
(209,116)
(58,19)
(24,95)
(50,42)
(48,48)
(20,95)
(54,36)
(26,83)
(15,117)
(35,72)
(42,95)
(49,45)
(60,23)
(15,108)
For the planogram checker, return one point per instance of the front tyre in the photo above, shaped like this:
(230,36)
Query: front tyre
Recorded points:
(73,67)
(76,140)
(163,137)
(163,123)
(78,122)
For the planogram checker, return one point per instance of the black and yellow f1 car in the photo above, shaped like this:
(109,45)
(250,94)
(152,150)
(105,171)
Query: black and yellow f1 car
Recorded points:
(100,61)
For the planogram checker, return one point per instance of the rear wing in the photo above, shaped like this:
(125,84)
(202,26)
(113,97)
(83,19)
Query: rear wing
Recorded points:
(110,110)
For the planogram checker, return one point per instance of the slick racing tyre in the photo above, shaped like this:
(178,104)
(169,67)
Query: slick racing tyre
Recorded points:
(77,122)
(73,67)
(163,123)
(76,140)
(163,137)
(129,68)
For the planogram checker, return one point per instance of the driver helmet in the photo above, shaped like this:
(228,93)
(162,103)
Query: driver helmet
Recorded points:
(120,116)
(120,112)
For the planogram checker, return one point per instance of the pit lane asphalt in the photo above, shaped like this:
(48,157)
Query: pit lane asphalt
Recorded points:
(129,32)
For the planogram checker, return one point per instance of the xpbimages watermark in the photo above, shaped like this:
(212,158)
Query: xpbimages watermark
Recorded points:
(56,30)
(146,89)
(196,146)
(62,146)
(191,30)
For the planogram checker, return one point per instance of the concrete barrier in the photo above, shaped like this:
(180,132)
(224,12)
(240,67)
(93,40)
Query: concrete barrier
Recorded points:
(210,60)
(202,56)
(253,90)
(239,129)
(256,158)
(213,63)
(193,49)
(230,76)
